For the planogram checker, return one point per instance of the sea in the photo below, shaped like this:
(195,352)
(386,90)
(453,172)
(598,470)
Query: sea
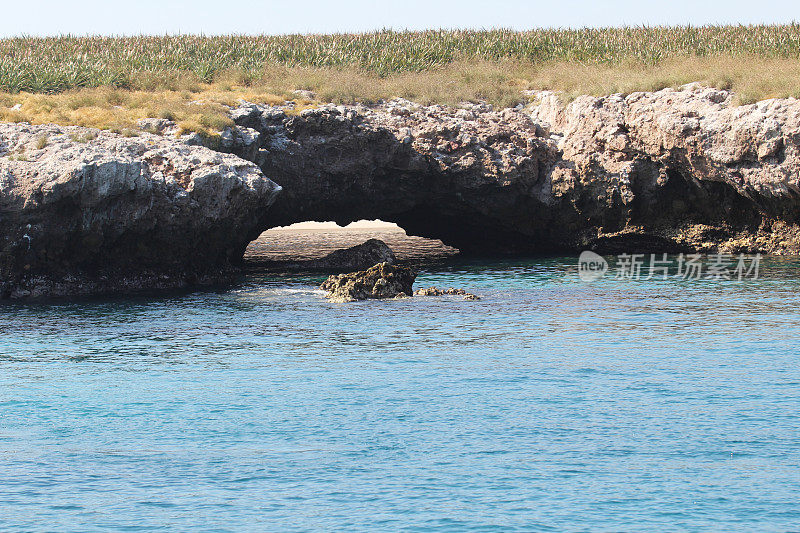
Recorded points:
(553,403)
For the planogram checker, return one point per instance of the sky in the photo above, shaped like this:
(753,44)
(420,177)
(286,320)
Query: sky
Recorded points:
(133,17)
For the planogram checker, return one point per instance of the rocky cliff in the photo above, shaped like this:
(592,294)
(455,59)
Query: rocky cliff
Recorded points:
(667,171)
(675,170)
(85,212)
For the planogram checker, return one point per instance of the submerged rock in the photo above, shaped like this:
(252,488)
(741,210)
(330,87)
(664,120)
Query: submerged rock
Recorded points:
(434,291)
(85,212)
(378,282)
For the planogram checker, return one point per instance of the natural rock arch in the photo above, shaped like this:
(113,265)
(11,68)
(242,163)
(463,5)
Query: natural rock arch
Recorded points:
(603,173)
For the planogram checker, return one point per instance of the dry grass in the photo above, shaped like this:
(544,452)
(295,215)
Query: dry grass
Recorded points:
(205,110)
(202,107)
(111,82)
(751,78)
(501,83)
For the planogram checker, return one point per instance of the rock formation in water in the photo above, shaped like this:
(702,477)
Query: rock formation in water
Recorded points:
(435,291)
(667,171)
(358,257)
(378,282)
(85,212)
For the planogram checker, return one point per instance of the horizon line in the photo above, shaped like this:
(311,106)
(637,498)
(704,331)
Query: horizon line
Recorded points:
(643,26)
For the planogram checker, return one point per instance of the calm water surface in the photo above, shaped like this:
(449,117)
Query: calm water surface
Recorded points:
(550,405)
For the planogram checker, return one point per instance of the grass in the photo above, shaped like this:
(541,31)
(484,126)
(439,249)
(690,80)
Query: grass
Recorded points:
(83,138)
(203,111)
(42,141)
(111,83)
(47,65)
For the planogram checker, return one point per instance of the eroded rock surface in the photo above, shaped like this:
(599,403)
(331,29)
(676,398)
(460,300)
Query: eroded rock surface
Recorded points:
(358,257)
(435,171)
(675,170)
(378,282)
(667,171)
(85,212)
(435,291)
(688,166)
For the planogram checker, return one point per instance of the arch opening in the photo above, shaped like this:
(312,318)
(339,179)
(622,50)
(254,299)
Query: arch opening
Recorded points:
(311,240)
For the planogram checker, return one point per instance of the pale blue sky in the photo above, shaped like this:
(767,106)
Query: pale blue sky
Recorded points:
(49,17)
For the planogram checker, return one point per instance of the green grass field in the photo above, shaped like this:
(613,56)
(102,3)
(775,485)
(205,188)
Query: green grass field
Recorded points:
(46,65)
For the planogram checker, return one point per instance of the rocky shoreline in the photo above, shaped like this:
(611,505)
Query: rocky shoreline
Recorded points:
(86,212)
(676,170)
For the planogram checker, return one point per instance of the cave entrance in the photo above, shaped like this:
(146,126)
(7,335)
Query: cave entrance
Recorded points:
(311,240)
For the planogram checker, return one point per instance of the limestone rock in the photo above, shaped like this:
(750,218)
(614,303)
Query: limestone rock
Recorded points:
(378,282)
(84,212)
(634,173)
(683,163)
(241,141)
(156,125)
(359,257)
(247,115)
(434,291)
(306,94)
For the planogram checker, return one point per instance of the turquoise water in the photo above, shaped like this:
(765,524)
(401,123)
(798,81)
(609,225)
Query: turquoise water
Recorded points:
(550,405)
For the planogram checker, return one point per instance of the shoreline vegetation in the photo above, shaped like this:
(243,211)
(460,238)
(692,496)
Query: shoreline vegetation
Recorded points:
(112,82)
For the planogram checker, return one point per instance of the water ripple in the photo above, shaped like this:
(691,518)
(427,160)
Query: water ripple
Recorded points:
(550,404)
